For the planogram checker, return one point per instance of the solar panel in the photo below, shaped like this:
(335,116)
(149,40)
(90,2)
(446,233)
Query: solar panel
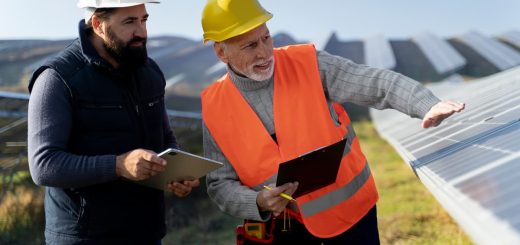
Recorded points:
(499,54)
(440,53)
(378,52)
(470,163)
(352,50)
(511,37)
(320,41)
(13,105)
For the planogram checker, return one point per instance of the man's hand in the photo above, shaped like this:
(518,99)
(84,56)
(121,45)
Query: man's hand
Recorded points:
(441,111)
(139,164)
(184,188)
(270,200)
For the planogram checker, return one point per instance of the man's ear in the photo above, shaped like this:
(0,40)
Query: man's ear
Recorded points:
(97,26)
(219,50)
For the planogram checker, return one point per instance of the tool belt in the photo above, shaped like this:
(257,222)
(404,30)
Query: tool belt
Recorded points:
(256,232)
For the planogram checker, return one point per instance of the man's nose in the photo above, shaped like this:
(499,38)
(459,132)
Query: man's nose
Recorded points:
(264,50)
(141,31)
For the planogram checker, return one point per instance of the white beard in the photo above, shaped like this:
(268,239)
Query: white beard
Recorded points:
(264,75)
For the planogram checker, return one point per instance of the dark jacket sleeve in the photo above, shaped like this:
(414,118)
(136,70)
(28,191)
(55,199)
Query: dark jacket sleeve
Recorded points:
(49,127)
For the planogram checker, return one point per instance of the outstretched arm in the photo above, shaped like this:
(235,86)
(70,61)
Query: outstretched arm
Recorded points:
(345,81)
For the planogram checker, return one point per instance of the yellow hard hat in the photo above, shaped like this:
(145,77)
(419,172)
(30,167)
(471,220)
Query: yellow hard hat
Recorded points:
(224,19)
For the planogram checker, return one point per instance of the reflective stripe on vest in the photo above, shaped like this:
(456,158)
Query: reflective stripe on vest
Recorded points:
(330,199)
(303,123)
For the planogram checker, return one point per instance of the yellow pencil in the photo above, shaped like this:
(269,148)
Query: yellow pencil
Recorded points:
(290,198)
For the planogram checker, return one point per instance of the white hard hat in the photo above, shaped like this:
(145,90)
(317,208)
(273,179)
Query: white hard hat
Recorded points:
(90,6)
(111,3)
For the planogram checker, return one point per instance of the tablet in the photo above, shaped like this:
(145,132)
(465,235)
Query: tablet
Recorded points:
(180,166)
(312,170)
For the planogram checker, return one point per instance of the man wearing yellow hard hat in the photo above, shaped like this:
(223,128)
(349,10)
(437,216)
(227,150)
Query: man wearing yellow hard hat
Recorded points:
(96,120)
(274,105)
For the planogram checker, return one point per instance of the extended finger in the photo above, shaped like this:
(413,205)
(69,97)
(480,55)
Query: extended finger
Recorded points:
(454,106)
(279,189)
(153,158)
(459,106)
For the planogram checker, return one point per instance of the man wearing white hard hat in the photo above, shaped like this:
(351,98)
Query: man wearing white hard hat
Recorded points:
(96,120)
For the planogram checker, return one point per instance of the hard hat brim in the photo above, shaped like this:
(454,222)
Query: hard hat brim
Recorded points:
(112,5)
(237,31)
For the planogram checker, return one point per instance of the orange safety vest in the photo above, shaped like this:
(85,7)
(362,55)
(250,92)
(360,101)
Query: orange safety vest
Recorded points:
(302,123)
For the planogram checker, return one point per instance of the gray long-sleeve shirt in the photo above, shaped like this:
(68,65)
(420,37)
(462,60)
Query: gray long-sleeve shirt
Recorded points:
(50,124)
(343,81)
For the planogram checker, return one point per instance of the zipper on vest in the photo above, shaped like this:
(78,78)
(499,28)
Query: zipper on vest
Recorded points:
(133,102)
(134,95)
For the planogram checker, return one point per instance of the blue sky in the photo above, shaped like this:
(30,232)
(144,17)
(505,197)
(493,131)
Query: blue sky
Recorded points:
(303,19)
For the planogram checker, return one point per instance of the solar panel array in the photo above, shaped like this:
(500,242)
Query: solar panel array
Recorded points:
(499,54)
(378,52)
(444,58)
(471,162)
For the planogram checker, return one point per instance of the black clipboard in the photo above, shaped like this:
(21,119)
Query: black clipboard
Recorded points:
(313,170)
(180,166)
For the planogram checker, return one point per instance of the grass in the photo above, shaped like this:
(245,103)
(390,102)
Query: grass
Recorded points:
(407,212)
(195,219)
(17,178)
(21,212)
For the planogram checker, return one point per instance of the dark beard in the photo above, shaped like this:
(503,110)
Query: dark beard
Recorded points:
(128,57)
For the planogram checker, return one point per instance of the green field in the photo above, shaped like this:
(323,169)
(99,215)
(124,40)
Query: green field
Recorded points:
(407,212)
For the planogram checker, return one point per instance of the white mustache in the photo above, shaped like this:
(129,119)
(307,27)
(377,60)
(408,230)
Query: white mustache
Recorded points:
(262,63)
